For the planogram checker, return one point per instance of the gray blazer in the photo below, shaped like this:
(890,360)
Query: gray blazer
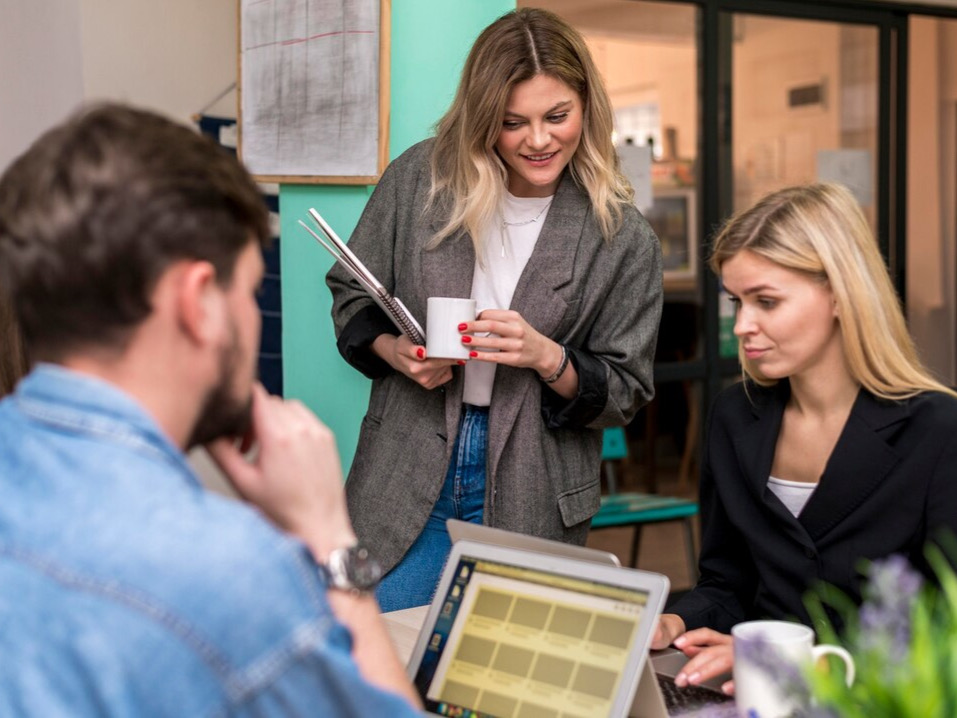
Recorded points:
(601,299)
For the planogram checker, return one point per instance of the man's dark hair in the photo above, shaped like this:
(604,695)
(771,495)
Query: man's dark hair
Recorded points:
(96,210)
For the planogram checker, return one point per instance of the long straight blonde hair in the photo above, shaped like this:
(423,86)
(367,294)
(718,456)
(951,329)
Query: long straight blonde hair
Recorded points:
(820,231)
(468,176)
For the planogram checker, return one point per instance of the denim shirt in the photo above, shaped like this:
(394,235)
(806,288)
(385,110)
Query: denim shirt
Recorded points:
(126,589)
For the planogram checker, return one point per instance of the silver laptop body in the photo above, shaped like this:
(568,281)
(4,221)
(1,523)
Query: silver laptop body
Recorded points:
(513,632)
(459,530)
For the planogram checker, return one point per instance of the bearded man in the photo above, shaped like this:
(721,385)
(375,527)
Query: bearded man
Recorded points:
(130,251)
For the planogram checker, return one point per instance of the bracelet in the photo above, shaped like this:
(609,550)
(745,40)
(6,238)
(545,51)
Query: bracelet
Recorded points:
(561,368)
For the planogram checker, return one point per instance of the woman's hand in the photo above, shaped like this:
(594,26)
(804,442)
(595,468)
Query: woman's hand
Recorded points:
(711,654)
(670,626)
(409,359)
(518,344)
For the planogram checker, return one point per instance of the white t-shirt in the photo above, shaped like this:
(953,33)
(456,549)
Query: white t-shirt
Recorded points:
(494,280)
(793,494)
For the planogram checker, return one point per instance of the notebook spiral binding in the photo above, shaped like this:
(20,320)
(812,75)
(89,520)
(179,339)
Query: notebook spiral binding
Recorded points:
(400,315)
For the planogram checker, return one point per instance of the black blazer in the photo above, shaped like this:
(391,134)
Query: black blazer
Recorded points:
(889,486)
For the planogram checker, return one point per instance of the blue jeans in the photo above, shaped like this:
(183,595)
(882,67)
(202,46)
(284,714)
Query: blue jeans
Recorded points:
(413,581)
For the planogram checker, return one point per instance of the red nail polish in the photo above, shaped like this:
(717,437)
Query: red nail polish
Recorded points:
(473,354)
(462,362)
(420,353)
(463,326)
(466,339)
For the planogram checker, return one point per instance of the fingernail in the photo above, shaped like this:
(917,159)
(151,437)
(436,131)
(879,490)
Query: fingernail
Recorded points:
(679,641)
(463,326)
(473,354)
(462,362)
(694,677)
(420,353)
(681,680)
(466,340)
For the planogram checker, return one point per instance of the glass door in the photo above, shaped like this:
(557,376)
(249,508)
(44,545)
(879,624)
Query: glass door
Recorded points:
(803,111)
(797,93)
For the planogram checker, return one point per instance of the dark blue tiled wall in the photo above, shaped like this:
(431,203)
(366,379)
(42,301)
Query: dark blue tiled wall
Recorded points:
(270,297)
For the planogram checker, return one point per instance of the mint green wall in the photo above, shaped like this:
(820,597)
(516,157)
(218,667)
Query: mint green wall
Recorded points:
(430,39)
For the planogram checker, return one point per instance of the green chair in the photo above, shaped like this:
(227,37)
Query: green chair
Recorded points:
(637,509)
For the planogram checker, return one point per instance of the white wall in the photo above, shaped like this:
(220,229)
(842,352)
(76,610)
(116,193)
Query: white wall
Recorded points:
(40,69)
(172,56)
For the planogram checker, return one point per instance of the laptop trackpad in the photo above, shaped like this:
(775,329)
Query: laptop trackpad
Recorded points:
(670,661)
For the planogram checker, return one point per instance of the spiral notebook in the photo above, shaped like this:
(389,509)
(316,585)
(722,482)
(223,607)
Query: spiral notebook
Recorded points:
(392,306)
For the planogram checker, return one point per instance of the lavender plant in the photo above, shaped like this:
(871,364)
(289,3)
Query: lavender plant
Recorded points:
(904,642)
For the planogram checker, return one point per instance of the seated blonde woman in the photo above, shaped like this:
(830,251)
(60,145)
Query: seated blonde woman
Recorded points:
(838,446)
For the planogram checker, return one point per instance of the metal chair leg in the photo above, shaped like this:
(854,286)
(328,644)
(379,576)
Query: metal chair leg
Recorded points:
(635,542)
(690,547)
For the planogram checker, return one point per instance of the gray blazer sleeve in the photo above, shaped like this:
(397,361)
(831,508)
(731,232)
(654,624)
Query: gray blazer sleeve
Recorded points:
(616,359)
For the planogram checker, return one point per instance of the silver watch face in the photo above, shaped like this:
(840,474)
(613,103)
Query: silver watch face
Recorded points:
(354,569)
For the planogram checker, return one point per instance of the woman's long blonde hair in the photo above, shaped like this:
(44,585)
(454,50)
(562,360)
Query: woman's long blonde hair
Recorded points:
(468,176)
(820,231)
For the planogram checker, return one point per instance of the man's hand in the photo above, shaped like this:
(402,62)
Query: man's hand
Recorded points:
(711,654)
(410,359)
(295,477)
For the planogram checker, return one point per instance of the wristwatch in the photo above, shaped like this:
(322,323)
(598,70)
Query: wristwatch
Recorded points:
(352,569)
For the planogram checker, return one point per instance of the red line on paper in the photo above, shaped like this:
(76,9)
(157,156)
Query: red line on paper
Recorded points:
(300,40)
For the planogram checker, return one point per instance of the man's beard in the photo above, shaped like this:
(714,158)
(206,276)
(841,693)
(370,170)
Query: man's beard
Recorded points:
(223,415)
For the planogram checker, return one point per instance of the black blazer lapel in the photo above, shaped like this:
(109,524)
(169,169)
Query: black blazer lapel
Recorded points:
(755,442)
(755,446)
(859,463)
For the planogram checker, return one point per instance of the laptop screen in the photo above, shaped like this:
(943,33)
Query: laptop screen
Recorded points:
(516,641)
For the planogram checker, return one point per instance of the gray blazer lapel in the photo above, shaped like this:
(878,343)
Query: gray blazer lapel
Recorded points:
(553,259)
(536,299)
(447,272)
(447,269)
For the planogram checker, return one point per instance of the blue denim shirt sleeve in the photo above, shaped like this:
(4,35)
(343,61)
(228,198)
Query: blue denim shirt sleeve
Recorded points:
(126,589)
(323,682)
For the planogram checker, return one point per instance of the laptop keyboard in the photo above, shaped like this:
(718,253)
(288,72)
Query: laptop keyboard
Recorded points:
(679,700)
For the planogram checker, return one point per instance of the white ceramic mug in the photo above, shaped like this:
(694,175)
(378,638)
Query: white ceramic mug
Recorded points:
(763,693)
(442,337)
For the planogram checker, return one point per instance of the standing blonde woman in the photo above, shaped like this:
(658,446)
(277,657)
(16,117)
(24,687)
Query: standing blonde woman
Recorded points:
(518,202)
(837,447)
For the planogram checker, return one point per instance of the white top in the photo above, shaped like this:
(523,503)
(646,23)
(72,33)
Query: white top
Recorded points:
(495,278)
(793,494)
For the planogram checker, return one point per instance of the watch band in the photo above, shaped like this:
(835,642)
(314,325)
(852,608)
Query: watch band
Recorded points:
(561,368)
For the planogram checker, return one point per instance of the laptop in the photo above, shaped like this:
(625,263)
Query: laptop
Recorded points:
(659,673)
(459,530)
(513,632)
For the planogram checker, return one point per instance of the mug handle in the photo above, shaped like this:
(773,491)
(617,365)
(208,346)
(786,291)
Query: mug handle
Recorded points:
(826,649)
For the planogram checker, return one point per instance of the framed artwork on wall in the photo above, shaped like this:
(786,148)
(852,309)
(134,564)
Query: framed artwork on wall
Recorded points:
(673,215)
